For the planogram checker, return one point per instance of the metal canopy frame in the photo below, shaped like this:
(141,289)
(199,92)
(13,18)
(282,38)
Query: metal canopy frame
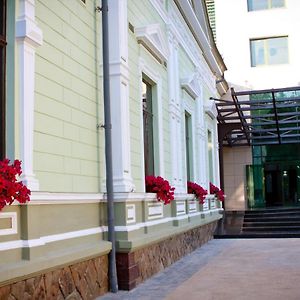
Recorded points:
(262,117)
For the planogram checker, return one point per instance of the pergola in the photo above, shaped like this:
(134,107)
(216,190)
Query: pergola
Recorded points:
(256,118)
(262,117)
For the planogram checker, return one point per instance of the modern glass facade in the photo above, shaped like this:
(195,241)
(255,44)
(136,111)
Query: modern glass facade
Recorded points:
(274,177)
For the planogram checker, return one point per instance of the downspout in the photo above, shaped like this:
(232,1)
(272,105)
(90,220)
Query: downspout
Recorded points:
(113,281)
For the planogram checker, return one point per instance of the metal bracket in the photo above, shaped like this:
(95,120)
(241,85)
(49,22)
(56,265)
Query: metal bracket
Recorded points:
(104,126)
(98,9)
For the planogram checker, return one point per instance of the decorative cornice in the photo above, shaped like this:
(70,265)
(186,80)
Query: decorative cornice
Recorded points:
(191,85)
(152,37)
(210,109)
(26,27)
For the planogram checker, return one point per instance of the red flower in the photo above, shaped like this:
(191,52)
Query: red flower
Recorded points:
(164,192)
(10,188)
(218,192)
(197,190)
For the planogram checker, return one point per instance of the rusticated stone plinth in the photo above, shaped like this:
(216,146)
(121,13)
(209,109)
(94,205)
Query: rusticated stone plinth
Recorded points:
(135,267)
(84,280)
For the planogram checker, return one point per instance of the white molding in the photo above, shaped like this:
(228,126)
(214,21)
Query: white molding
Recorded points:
(130,213)
(29,37)
(191,85)
(192,206)
(158,5)
(51,238)
(161,221)
(14,223)
(4,246)
(180,208)
(155,210)
(153,38)
(210,109)
(38,198)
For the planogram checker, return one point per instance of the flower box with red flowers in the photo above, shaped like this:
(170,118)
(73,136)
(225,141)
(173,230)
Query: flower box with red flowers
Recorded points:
(10,188)
(162,188)
(219,194)
(199,192)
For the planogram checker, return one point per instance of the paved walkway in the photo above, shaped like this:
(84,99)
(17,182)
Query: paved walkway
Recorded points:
(241,269)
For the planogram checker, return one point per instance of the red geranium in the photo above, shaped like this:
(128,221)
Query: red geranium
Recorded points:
(198,190)
(164,192)
(218,192)
(10,188)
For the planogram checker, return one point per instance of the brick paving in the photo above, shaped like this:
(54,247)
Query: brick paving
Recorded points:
(241,269)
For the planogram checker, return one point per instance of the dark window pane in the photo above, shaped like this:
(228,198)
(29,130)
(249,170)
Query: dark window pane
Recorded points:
(148,128)
(2,76)
(210,156)
(188,145)
(2,17)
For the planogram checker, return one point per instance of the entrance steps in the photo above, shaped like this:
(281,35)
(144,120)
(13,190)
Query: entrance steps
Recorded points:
(263,223)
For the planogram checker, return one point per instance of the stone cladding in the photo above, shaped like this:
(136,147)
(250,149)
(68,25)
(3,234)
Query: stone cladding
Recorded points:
(135,267)
(81,281)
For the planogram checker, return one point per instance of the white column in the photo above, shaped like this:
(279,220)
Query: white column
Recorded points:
(180,138)
(29,37)
(175,114)
(172,109)
(200,159)
(119,93)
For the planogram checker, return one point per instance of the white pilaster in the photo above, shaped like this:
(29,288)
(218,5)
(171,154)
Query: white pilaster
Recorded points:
(29,37)
(200,140)
(175,114)
(119,93)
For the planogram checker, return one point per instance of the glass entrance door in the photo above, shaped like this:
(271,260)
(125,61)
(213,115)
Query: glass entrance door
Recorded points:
(274,184)
(255,187)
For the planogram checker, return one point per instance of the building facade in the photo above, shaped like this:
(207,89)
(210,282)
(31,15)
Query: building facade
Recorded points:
(163,69)
(261,53)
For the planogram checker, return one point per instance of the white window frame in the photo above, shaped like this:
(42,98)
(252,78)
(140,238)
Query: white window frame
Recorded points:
(210,128)
(191,110)
(156,79)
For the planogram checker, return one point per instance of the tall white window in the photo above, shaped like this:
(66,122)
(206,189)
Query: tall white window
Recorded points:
(269,51)
(210,156)
(148,128)
(188,146)
(264,4)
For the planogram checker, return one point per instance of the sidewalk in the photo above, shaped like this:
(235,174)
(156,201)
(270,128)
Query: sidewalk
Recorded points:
(237,269)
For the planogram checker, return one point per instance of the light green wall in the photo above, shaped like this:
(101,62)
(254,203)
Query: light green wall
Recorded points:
(66,150)
(186,69)
(141,13)
(186,66)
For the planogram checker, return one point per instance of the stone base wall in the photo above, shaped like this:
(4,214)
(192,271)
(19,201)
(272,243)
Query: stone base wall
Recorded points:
(84,280)
(135,267)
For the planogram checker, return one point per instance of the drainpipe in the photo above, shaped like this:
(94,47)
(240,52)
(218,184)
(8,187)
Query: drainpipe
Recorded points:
(108,151)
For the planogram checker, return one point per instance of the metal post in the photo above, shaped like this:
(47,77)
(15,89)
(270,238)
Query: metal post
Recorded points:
(108,152)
